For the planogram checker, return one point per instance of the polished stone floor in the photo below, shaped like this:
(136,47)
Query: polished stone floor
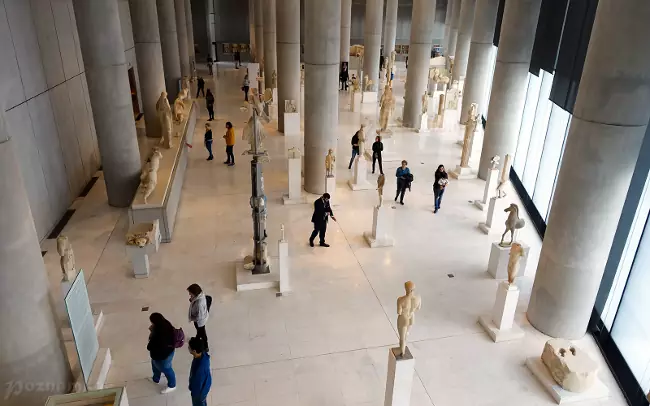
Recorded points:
(327,342)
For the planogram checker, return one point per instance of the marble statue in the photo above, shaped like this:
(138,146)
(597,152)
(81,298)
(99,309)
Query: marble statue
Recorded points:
(254,133)
(438,78)
(362,139)
(294,153)
(274,79)
(164,111)
(571,367)
(68,268)
(183,95)
(330,161)
(387,106)
(179,109)
(149,180)
(268,95)
(381,181)
(516,253)
(440,116)
(513,223)
(185,87)
(356,86)
(452,99)
(368,84)
(425,103)
(154,161)
(282,231)
(494,162)
(407,305)
(141,235)
(504,179)
(290,106)
(470,129)
(472,116)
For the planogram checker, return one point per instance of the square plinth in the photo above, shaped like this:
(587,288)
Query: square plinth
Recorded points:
(560,395)
(378,242)
(291,124)
(513,333)
(499,256)
(399,379)
(246,280)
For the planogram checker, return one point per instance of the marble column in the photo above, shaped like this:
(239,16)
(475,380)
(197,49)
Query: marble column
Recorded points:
(212,32)
(390,27)
(609,122)
(270,44)
(455,21)
(102,49)
(288,41)
(259,36)
(464,39)
(479,68)
(322,54)
(417,74)
(148,53)
(181,30)
(346,23)
(509,82)
(372,41)
(31,350)
(190,34)
(448,16)
(251,28)
(169,45)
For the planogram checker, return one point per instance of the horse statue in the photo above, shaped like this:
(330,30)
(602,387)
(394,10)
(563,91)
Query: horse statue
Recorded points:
(513,223)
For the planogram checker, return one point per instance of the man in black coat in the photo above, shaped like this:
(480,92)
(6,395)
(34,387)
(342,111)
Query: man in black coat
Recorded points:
(322,212)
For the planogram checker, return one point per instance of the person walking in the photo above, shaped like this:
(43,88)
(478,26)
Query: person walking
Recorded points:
(237,59)
(230,144)
(207,141)
(245,87)
(209,104)
(439,185)
(198,312)
(344,76)
(322,213)
(200,87)
(161,348)
(377,148)
(210,67)
(404,179)
(355,147)
(200,375)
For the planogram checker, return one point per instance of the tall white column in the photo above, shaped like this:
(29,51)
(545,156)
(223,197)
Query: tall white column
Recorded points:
(448,17)
(259,35)
(251,28)
(212,32)
(146,35)
(346,22)
(190,34)
(181,31)
(31,351)
(322,54)
(102,49)
(169,45)
(270,54)
(455,21)
(372,40)
(390,27)
(477,79)
(509,82)
(464,38)
(288,40)
(609,122)
(417,75)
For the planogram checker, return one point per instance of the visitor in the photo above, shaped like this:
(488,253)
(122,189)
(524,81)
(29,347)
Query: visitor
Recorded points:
(161,350)
(344,76)
(404,179)
(355,147)
(210,68)
(198,312)
(407,62)
(381,62)
(439,185)
(230,144)
(377,148)
(209,103)
(237,59)
(322,213)
(200,83)
(245,86)
(208,141)
(200,375)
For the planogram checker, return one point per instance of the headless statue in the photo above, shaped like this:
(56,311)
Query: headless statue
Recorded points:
(407,305)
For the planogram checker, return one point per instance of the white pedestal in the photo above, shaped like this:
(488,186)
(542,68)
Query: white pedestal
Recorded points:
(382,227)
(139,258)
(424,123)
(253,72)
(561,396)
(355,104)
(273,111)
(490,189)
(275,96)
(291,124)
(461,173)
(100,369)
(499,256)
(500,325)
(399,382)
(369,97)
(330,187)
(283,262)
(359,180)
(246,280)
(495,215)
(295,183)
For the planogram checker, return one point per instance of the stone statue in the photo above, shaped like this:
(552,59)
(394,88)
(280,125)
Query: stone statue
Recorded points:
(505,177)
(516,253)
(290,106)
(407,305)
(440,117)
(470,128)
(256,138)
(425,103)
(452,99)
(571,367)
(154,161)
(381,180)
(179,110)
(149,176)
(185,87)
(268,96)
(68,268)
(513,223)
(282,231)
(183,95)
(141,235)
(294,153)
(274,80)
(302,74)
(330,161)
(362,140)
(494,162)
(368,84)
(165,116)
(356,86)
(387,105)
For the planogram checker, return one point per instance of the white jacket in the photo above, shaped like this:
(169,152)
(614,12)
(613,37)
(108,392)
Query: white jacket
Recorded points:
(198,311)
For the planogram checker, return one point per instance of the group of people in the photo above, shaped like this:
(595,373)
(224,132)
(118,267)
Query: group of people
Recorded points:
(229,137)
(164,339)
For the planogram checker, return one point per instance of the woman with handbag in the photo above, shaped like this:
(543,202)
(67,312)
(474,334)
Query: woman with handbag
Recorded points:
(439,185)
(161,346)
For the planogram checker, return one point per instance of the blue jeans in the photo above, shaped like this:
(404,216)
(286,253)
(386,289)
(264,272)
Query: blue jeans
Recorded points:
(355,152)
(199,401)
(437,197)
(164,367)
(208,146)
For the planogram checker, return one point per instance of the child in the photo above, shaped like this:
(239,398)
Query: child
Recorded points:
(200,376)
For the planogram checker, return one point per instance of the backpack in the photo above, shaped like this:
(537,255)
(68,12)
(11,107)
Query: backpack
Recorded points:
(208,302)
(179,338)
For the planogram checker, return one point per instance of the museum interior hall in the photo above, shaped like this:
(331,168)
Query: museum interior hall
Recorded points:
(324,202)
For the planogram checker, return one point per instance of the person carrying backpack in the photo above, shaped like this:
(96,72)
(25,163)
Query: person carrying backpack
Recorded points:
(163,340)
(199,311)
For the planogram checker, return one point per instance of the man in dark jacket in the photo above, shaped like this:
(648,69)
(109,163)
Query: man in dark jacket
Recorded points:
(200,375)
(322,212)
(355,148)
(377,148)
(344,76)
(200,87)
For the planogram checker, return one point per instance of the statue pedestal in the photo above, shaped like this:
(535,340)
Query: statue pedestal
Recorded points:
(495,215)
(490,189)
(370,97)
(139,256)
(499,256)
(355,104)
(424,123)
(291,124)
(283,262)
(501,325)
(330,187)
(462,173)
(295,183)
(253,72)
(359,180)
(273,111)
(275,96)
(246,280)
(399,380)
(382,227)
(439,121)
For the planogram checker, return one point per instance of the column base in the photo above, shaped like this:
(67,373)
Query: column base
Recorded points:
(499,256)
(463,173)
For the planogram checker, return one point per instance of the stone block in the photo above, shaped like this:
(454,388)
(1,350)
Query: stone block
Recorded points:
(572,368)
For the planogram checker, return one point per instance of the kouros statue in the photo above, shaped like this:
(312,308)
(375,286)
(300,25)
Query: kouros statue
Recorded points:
(513,223)
(425,103)
(516,253)
(407,305)
(164,111)
(387,105)
(381,181)
(68,268)
(505,177)
(330,161)
(470,128)
(294,153)
(440,116)
(368,84)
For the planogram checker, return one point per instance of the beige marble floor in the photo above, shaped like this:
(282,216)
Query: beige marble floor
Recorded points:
(327,342)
